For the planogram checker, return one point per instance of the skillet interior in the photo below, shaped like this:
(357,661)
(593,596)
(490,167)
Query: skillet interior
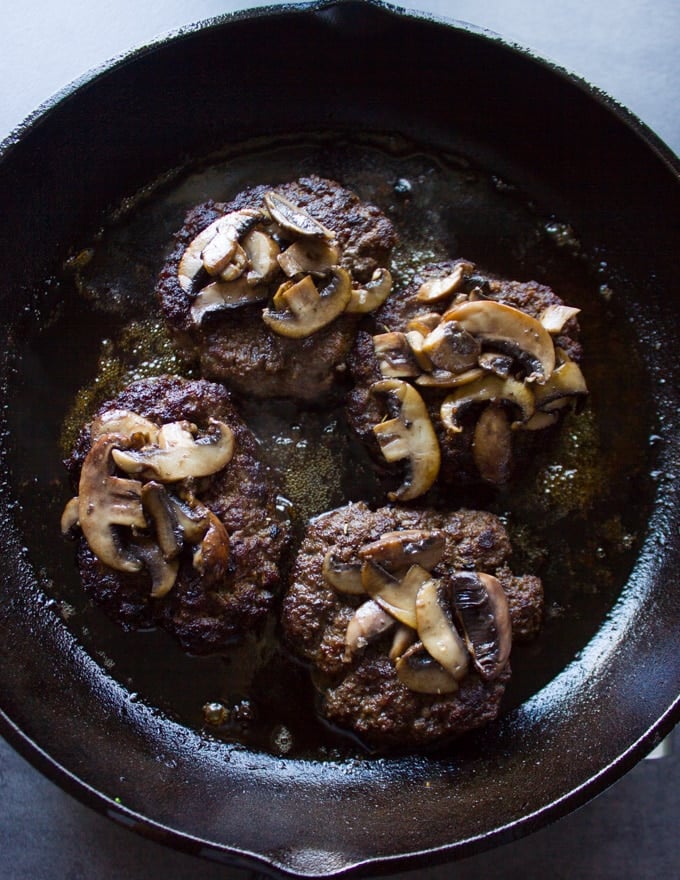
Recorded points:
(522,120)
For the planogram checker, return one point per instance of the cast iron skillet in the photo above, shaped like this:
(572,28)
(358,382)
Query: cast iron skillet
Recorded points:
(365,67)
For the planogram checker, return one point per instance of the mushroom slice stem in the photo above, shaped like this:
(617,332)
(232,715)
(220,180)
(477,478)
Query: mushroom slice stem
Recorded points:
(373,294)
(482,608)
(192,458)
(211,557)
(156,502)
(410,436)
(306,308)
(262,253)
(69,517)
(345,577)
(486,388)
(437,630)
(368,623)
(421,673)
(450,347)
(492,445)
(163,572)
(447,379)
(309,256)
(292,218)
(123,421)
(440,288)
(504,326)
(105,501)
(395,357)
(404,637)
(397,596)
(555,317)
(397,551)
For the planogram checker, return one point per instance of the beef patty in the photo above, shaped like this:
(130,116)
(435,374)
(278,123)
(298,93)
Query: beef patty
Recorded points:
(209,543)
(361,687)
(218,299)
(491,364)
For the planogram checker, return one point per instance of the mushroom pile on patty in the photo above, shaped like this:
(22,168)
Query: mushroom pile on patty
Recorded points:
(266,291)
(407,618)
(461,366)
(177,517)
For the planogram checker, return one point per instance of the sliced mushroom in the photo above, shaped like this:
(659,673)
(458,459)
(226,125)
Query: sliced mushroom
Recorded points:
(404,637)
(450,347)
(163,571)
(368,623)
(345,577)
(221,296)
(566,381)
(306,308)
(554,317)
(409,436)
(123,421)
(486,388)
(236,266)
(395,595)
(226,231)
(394,355)
(540,421)
(424,323)
(446,379)
(191,262)
(398,551)
(373,294)
(309,256)
(415,341)
(106,501)
(156,502)
(193,518)
(179,460)
(211,556)
(421,673)
(496,362)
(482,608)
(437,631)
(69,516)
(293,219)
(492,445)
(505,327)
(439,288)
(262,252)
(220,250)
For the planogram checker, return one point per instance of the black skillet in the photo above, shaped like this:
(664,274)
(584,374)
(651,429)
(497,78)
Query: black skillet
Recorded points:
(608,191)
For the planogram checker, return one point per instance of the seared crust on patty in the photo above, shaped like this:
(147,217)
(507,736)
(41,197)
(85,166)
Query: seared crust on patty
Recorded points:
(364,694)
(204,616)
(234,345)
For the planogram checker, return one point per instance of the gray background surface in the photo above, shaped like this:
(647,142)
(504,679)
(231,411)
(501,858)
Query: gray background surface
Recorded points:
(630,50)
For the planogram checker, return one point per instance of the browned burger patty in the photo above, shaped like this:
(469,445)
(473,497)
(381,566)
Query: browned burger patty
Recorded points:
(232,343)
(361,688)
(226,577)
(472,449)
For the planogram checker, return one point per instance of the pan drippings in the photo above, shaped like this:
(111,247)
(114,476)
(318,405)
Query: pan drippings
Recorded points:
(576,517)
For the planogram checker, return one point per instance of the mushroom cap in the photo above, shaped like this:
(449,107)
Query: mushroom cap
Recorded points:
(504,326)
(308,309)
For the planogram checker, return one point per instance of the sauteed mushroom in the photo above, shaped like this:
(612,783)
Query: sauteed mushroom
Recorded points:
(434,622)
(397,551)
(369,622)
(305,308)
(420,672)
(178,455)
(106,501)
(293,219)
(482,608)
(408,436)
(373,294)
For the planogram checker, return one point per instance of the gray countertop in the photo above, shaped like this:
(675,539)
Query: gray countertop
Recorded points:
(630,50)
